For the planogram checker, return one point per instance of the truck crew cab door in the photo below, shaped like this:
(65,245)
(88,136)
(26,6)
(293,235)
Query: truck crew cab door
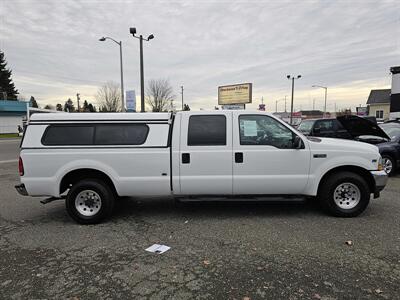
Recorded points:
(265,160)
(206,153)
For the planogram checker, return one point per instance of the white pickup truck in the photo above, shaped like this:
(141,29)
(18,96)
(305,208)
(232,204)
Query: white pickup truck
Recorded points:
(91,159)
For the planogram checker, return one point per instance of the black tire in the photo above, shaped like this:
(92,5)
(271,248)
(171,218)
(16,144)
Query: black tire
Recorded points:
(393,171)
(326,194)
(102,190)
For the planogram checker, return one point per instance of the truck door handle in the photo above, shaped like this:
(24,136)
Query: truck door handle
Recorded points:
(239,157)
(186,158)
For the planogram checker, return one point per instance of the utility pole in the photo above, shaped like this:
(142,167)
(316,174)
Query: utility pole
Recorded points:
(182,98)
(291,105)
(78,98)
(313,104)
(285,102)
(132,31)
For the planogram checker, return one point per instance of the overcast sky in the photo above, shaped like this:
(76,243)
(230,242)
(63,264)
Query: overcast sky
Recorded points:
(349,46)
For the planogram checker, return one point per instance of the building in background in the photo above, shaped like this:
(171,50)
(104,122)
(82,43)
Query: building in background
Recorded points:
(12,115)
(379,104)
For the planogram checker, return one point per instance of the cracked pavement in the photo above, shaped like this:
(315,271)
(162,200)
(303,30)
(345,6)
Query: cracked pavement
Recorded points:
(218,250)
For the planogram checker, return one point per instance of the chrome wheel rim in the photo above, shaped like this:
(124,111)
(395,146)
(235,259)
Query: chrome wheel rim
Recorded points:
(88,203)
(387,165)
(347,195)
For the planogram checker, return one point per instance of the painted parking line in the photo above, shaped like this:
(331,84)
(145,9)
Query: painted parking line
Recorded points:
(8,161)
(7,141)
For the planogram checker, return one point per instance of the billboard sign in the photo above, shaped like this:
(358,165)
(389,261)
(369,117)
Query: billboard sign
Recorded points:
(235,94)
(130,101)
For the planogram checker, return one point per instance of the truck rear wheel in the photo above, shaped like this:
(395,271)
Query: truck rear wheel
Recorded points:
(344,194)
(89,201)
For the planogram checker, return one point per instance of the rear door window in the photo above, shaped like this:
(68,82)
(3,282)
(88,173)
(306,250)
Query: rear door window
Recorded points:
(207,130)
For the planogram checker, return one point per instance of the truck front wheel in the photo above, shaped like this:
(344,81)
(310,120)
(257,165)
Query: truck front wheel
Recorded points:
(89,201)
(344,194)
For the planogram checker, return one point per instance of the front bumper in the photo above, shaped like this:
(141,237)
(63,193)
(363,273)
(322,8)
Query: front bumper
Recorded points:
(21,189)
(380,178)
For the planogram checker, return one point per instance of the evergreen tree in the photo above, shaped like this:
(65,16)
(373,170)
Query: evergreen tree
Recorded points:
(7,87)
(186,107)
(69,106)
(33,102)
(91,107)
(59,107)
(85,107)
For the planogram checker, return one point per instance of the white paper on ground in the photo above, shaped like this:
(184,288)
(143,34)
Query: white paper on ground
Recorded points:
(159,249)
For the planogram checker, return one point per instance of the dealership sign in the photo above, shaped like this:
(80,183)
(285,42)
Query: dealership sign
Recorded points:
(235,94)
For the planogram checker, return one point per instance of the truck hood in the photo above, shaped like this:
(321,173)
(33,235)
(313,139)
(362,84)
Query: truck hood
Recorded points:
(357,126)
(341,145)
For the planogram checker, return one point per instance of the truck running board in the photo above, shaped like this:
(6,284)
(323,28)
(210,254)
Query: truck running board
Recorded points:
(51,199)
(277,198)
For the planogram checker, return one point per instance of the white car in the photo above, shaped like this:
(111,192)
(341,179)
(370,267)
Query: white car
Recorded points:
(91,159)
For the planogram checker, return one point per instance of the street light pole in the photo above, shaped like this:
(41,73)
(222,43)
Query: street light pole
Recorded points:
(291,105)
(141,75)
(122,72)
(326,96)
(122,79)
(132,31)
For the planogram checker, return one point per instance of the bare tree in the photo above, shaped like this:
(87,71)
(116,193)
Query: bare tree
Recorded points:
(159,95)
(109,97)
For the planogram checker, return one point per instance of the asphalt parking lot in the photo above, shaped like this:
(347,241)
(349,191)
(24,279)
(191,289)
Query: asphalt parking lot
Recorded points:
(218,250)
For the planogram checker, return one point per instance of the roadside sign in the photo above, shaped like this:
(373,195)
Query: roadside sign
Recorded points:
(233,106)
(130,101)
(261,107)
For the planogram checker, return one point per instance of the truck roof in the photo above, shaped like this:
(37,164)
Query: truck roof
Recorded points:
(99,116)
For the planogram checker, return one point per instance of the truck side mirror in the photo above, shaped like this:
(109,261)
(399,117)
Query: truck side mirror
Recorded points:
(297,142)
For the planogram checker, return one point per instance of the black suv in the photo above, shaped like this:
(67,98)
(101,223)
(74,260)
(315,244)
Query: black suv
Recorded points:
(385,136)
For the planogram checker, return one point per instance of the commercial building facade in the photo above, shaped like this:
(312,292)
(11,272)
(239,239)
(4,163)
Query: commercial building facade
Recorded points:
(12,115)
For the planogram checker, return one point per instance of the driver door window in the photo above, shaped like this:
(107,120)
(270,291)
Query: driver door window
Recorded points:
(264,130)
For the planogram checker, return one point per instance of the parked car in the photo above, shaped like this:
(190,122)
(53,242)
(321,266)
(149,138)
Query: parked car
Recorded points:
(91,159)
(390,149)
(385,136)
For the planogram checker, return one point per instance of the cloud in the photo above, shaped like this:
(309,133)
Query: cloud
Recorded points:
(54,51)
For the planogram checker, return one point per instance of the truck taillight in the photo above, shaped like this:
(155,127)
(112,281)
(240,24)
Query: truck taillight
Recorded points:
(21,167)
